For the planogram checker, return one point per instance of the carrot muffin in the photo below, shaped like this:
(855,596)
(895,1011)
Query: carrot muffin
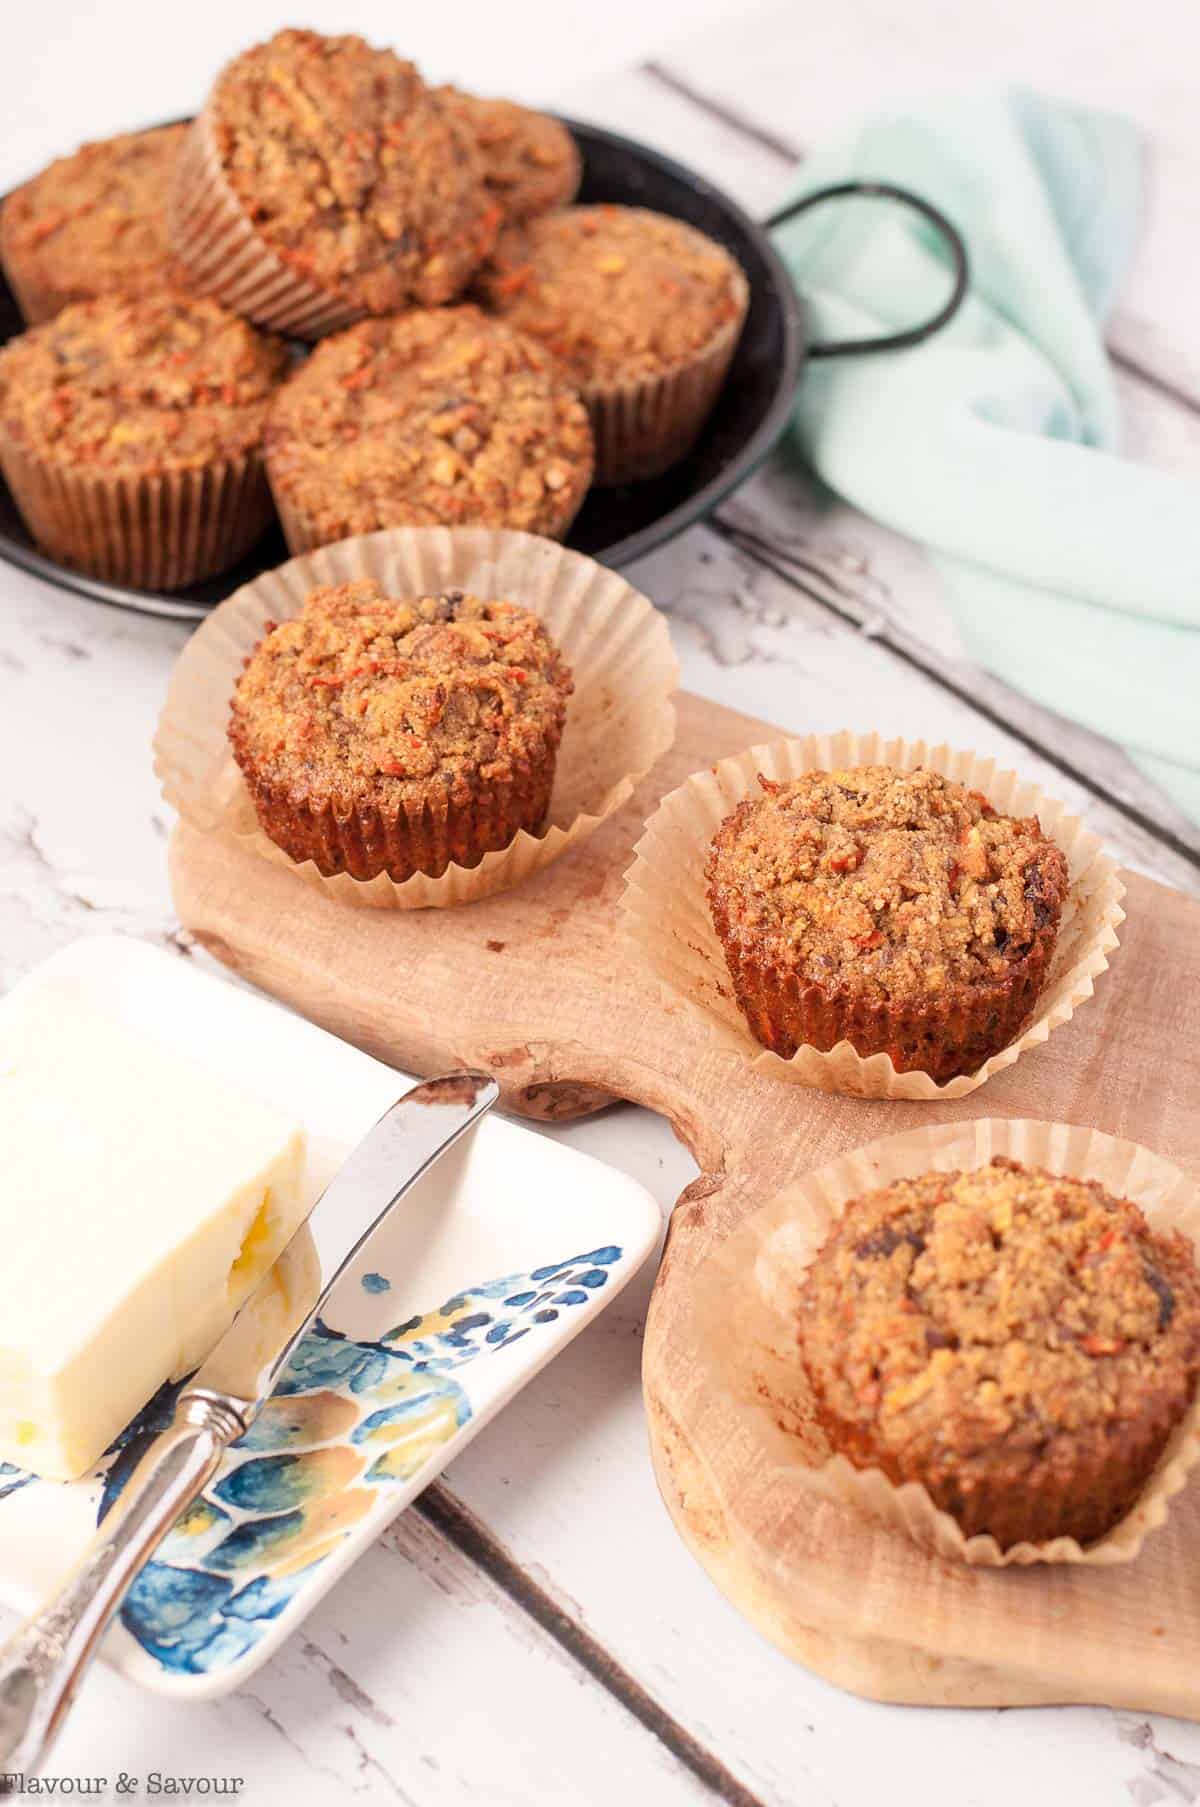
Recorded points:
(531,163)
(131,435)
(438,417)
(378,734)
(894,910)
(91,223)
(642,311)
(323,181)
(1020,1344)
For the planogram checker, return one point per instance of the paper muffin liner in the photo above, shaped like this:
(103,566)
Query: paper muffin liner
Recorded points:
(620,720)
(667,910)
(155,531)
(643,427)
(744,1304)
(223,255)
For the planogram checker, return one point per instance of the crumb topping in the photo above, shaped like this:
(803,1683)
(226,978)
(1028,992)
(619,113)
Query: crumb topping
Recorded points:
(96,221)
(354,172)
(901,883)
(363,693)
(160,381)
(530,161)
(616,293)
(969,1314)
(438,416)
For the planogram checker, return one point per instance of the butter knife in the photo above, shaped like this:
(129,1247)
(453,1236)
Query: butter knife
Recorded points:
(42,1664)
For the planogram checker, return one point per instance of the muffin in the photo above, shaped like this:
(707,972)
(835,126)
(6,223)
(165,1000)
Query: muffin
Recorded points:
(531,163)
(93,223)
(323,181)
(642,312)
(379,734)
(438,417)
(131,435)
(1020,1344)
(893,910)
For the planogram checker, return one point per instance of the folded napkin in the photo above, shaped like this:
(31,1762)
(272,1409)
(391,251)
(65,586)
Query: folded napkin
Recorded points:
(1075,572)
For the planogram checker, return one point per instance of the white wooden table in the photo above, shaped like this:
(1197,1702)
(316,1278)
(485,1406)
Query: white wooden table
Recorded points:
(532,1633)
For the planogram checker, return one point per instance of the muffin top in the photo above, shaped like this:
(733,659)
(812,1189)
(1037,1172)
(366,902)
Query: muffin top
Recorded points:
(154,382)
(355,174)
(97,220)
(366,695)
(898,885)
(531,163)
(992,1313)
(437,416)
(617,293)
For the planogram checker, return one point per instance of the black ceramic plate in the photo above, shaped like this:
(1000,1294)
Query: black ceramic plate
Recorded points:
(614,525)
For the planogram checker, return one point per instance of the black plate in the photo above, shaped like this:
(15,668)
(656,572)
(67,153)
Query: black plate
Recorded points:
(614,525)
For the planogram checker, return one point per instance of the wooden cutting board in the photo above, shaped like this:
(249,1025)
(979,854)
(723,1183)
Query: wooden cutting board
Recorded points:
(540,987)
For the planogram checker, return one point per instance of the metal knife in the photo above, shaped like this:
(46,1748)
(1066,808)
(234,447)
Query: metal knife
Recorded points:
(42,1664)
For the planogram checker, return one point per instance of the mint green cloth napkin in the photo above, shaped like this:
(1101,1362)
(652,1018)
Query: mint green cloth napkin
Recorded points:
(1075,572)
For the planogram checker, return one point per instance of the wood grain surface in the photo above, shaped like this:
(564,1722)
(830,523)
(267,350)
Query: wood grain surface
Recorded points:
(541,986)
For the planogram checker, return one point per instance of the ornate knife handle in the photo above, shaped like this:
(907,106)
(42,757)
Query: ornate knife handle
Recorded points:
(44,1661)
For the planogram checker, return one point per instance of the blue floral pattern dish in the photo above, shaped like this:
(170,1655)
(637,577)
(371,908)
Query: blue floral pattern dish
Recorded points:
(382,1392)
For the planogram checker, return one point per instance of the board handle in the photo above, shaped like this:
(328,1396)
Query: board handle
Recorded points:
(952,237)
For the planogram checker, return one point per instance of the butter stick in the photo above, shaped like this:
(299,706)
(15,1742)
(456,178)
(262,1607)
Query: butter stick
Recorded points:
(142,1198)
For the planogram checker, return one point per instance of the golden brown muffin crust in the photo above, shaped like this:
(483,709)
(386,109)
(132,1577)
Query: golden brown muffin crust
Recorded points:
(617,293)
(1003,1324)
(155,382)
(531,163)
(438,416)
(365,695)
(352,170)
(95,221)
(901,885)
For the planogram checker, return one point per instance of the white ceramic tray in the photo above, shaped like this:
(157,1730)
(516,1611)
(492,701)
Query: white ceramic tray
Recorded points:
(494,1262)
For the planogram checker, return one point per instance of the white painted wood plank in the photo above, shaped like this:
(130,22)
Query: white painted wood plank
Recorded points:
(807,82)
(415,1680)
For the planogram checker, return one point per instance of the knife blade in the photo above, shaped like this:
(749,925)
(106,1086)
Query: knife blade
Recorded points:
(42,1665)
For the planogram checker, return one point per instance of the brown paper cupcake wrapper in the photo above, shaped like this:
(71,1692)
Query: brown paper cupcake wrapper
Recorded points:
(668,915)
(226,257)
(644,427)
(155,532)
(619,722)
(744,1305)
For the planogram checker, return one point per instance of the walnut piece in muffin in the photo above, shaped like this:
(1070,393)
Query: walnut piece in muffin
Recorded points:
(1020,1343)
(92,223)
(436,417)
(153,382)
(352,170)
(531,163)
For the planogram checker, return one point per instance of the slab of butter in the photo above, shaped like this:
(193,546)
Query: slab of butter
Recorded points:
(142,1197)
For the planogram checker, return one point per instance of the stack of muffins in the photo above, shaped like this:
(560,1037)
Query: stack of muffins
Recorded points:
(488,349)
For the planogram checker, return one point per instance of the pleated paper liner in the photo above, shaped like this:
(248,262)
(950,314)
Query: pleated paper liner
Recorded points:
(668,916)
(158,531)
(619,723)
(643,427)
(745,1300)
(223,255)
